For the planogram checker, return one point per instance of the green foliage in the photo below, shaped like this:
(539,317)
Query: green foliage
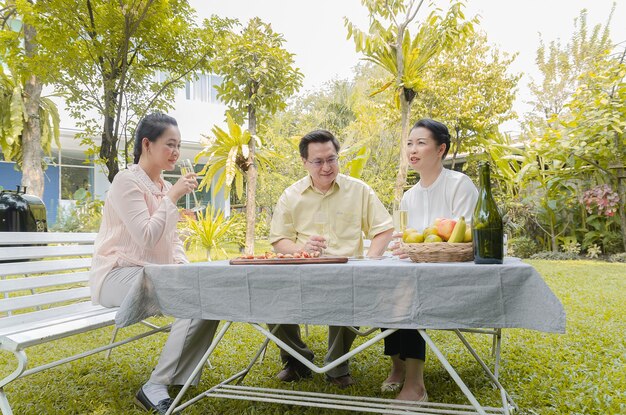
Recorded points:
(555,256)
(120,60)
(258,72)
(469,89)
(522,247)
(84,216)
(208,230)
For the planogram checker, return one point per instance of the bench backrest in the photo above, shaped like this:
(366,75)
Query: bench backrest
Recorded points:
(42,270)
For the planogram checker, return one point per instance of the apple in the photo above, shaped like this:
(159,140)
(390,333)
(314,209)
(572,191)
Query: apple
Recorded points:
(432,230)
(437,221)
(445,228)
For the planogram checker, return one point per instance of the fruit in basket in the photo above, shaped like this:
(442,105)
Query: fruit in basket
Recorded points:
(432,238)
(407,232)
(431,230)
(468,234)
(445,227)
(458,233)
(414,238)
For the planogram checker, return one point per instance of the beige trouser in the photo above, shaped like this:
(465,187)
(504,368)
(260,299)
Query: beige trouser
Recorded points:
(340,340)
(188,339)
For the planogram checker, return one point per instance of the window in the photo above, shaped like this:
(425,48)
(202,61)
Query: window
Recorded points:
(202,88)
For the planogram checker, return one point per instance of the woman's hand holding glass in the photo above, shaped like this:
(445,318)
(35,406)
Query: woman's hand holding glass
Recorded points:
(184,185)
(186,170)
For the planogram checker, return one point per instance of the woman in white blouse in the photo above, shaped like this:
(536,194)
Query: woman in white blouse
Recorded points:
(138,228)
(440,193)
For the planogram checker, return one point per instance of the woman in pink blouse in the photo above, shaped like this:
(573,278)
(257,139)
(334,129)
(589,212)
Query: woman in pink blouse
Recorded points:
(138,228)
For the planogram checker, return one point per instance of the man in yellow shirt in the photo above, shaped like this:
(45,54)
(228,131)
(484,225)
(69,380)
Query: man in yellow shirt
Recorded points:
(351,209)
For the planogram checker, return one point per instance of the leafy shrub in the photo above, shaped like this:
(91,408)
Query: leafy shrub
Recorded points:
(237,230)
(593,251)
(570,245)
(612,243)
(522,247)
(557,256)
(209,230)
(621,257)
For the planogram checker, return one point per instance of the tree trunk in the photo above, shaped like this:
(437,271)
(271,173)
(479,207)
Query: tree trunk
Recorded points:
(405,107)
(108,147)
(32,172)
(251,176)
(403,162)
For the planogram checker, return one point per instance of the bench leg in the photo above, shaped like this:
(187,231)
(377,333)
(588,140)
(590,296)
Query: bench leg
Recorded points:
(108,353)
(20,355)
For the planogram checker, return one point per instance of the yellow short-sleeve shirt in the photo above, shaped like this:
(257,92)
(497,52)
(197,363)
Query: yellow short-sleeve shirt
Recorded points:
(351,206)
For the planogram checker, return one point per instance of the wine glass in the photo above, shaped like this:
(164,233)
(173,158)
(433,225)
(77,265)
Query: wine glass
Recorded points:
(320,220)
(186,168)
(400,219)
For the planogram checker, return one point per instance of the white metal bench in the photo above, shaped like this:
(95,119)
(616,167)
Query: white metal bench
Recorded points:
(43,277)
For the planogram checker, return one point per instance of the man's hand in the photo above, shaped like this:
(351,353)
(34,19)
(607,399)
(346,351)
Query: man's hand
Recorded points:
(315,244)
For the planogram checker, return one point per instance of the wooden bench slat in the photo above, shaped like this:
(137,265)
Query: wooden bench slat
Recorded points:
(31,238)
(32,252)
(28,301)
(36,267)
(49,333)
(18,284)
(36,317)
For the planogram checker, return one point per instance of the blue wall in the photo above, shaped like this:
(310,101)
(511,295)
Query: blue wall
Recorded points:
(10,178)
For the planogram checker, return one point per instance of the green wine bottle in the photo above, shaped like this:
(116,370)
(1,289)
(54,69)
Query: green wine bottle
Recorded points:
(487,229)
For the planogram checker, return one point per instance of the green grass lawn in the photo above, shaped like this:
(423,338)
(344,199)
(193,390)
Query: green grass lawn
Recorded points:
(581,372)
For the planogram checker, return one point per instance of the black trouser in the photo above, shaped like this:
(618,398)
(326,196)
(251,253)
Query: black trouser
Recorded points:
(409,344)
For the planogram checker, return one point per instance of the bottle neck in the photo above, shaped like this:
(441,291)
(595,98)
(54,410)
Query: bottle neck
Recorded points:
(485,179)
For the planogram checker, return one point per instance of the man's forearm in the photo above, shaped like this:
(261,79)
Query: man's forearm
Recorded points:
(286,246)
(379,243)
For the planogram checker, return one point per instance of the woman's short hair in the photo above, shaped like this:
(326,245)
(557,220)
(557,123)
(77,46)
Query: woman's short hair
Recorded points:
(151,127)
(317,136)
(439,131)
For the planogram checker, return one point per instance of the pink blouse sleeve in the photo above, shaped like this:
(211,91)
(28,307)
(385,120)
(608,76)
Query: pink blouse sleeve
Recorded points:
(129,201)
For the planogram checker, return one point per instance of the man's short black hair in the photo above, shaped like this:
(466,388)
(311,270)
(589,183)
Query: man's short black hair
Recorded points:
(317,136)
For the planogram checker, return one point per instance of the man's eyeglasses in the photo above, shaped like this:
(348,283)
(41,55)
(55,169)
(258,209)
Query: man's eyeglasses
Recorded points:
(331,161)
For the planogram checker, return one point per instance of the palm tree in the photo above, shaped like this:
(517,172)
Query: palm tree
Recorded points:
(228,157)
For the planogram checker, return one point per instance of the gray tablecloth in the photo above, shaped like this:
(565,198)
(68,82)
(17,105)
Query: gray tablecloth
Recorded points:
(379,293)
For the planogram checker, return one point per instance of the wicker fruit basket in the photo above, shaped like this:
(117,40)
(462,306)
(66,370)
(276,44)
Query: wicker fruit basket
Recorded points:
(439,252)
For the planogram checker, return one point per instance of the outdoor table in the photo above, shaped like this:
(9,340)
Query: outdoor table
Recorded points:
(386,293)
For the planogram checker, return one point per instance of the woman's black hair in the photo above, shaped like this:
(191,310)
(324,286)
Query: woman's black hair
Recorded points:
(151,127)
(317,136)
(439,131)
